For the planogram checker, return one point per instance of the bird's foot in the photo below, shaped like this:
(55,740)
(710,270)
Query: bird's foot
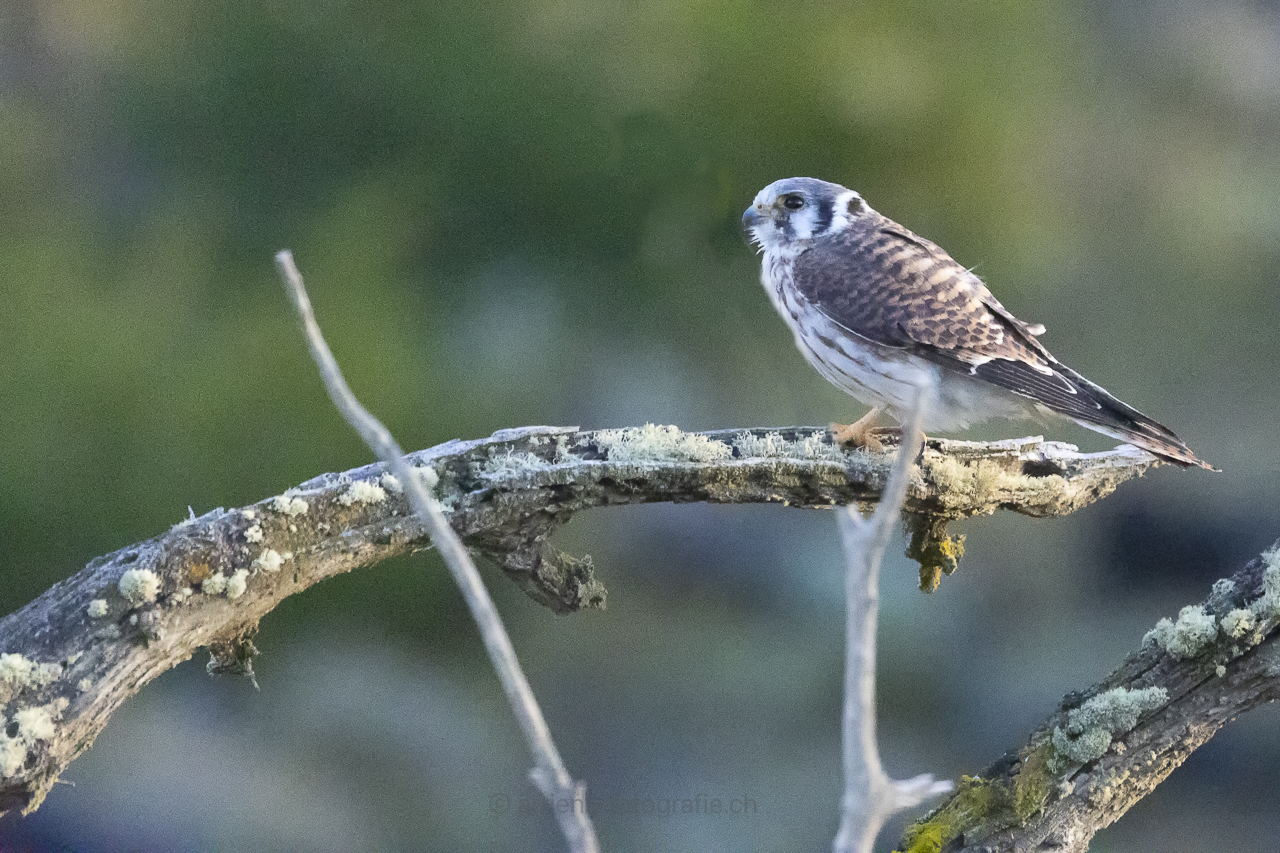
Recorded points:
(860,433)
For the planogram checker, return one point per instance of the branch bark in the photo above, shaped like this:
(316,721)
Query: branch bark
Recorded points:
(75,654)
(1106,748)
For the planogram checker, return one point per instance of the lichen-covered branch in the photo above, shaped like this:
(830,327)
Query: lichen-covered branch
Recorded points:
(1106,748)
(72,656)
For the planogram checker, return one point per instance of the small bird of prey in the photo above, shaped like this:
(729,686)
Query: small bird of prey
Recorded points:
(879,311)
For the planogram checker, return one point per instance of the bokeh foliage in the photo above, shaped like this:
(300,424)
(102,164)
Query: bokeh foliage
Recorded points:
(527,211)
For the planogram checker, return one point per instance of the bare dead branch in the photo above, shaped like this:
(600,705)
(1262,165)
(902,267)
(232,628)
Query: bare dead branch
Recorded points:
(549,772)
(76,653)
(870,796)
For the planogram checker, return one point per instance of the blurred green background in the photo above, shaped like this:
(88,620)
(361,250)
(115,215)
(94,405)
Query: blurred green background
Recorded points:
(526,211)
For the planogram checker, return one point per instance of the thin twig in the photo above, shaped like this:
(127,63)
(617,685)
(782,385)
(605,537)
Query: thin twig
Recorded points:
(870,796)
(549,772)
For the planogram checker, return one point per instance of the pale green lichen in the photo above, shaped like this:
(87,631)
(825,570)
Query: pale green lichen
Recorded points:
(267,561)
(289,505)
(1194,632)
(231,587)
(97,608)
(238,583)
(1196,628)
(139,586)
(1271,556)
(1090,728)
(511,464)
(1267,605)
(1084,747)
(254,534)
(773,445)
(1238,622)
(814,447)
(19,672)
(652,443)
(362,491)
(35,723)
(13,754)
(29,725)
(425,474)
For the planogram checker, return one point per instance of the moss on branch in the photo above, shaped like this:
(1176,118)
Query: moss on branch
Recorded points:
(72,656)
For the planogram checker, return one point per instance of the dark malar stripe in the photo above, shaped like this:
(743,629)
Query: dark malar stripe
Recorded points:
(825,212)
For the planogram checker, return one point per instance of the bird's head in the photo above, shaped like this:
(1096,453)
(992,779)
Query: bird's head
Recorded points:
(790,213)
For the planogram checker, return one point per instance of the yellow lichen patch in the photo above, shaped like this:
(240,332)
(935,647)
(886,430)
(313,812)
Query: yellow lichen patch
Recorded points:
(198,572)
(937,552)
(1238,622)
(981,807)
(968,807)
(1031,785)
(981,481)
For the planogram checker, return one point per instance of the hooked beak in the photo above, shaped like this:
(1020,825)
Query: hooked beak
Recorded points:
(750,219)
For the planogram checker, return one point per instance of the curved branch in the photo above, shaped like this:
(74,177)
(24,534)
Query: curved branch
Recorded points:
(1106,748)
(75,654)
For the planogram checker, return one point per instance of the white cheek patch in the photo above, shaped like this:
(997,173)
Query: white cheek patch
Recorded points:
(840,217)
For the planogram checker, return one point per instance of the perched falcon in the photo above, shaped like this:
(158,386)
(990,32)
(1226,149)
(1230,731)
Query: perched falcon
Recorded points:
(878,309)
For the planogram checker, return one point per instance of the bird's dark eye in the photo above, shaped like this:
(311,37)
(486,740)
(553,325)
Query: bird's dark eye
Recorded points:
(792,202)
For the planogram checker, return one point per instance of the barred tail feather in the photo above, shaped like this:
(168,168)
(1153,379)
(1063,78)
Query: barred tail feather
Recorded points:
(1118,419)
(1058,388)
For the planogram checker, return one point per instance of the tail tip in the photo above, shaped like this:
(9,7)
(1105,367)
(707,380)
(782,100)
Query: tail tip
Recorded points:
(1184,458)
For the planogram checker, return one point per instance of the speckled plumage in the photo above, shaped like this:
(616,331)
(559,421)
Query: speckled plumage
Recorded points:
(875,308)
